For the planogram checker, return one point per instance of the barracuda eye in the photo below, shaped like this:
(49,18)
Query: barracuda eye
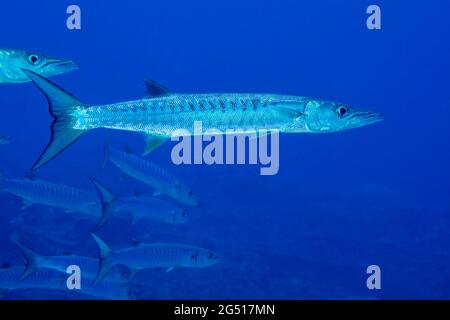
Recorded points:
(33,59)
(342,111)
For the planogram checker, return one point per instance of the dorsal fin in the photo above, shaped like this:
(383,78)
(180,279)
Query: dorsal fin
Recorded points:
(154,89)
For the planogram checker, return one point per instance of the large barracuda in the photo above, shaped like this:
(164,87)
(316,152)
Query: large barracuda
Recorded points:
(157,255)
(49,279)
(140,207)
(33,191)
(13,61)
(165,113)
(156,177)
(88,266)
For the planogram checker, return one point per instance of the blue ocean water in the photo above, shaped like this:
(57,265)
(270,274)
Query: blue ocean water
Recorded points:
(377,195)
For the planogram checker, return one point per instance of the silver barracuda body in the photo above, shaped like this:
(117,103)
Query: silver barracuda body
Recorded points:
(49,279)
(140,207)
(153,175)
(33,191)
(157,255)
(164,114)
(89,266)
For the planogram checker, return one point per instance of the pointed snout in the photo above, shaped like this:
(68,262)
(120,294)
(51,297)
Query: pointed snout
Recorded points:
(217,259)
(66,65)
(59,65)
(364,118)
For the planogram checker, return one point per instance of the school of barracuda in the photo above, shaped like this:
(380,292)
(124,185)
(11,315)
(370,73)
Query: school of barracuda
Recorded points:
(156,116)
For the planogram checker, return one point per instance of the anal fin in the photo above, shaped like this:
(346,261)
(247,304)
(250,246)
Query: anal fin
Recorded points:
(154,141)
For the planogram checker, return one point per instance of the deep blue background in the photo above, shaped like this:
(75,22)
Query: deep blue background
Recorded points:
(375,195)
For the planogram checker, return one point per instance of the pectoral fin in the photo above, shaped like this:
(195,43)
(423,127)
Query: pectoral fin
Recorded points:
(292,112)
(170,269)
(157,193)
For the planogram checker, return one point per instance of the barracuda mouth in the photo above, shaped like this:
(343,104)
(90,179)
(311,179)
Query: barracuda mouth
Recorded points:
(361,119)
(61,65)
(217,259)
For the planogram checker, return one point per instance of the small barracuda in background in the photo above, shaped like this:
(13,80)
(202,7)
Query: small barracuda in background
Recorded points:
(49,279)
(156,177)
(4,140)
(33,191)
(89,266)
(163,113)
(157,255)
(13,61)
(140,207)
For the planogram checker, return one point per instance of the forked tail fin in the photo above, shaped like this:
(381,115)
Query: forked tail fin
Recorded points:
(61,103)
(107,199)
(31,261)
(105,264)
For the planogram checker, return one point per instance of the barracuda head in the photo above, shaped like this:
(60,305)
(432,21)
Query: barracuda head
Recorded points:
(183,194)
(204,258)
(13,62)
(322,116)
